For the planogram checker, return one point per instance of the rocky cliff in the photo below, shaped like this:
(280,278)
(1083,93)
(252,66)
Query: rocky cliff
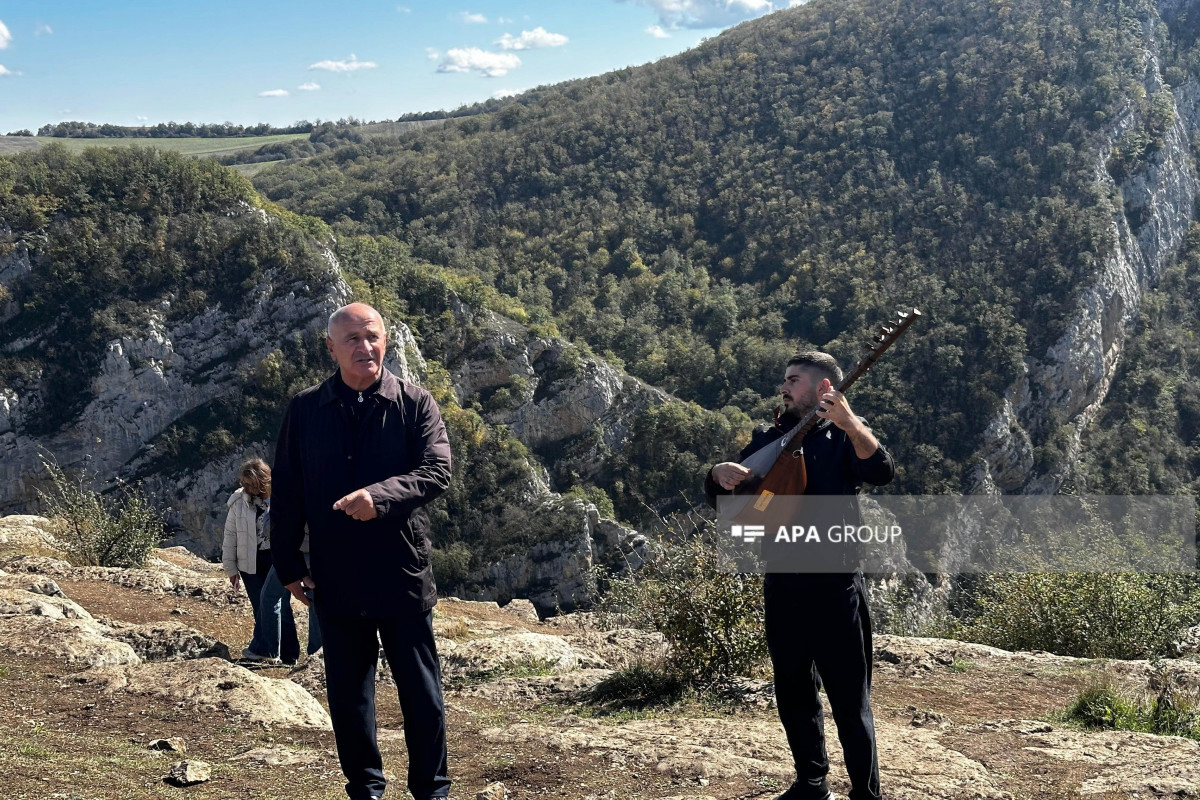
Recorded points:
(1152,205)
(165,370)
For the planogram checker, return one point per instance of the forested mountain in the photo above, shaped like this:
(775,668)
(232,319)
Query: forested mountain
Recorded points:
(797,178)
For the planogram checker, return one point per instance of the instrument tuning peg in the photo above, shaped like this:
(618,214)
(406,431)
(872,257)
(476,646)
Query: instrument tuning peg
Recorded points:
(885,330)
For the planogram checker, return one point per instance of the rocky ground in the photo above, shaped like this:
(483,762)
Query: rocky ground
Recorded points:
(97,664)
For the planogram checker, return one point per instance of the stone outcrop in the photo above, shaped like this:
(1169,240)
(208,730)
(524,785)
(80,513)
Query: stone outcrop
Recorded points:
(170,641)
(555,574)
(211,685)
(496,655)
(73,643)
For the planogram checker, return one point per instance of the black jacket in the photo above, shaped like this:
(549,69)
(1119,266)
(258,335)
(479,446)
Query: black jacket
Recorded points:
(377,568)
(832,468)
(830,463)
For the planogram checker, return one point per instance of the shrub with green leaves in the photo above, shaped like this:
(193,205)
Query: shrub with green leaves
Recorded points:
(1169,712)
(96,531)
(1089,615)
(710,615)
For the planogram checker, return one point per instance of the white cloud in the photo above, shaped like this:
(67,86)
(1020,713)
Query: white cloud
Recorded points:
(657,32)
(5,36)
(349,65)
(675,14)
(274,93)
(504,20)
(404,9)
(431,54)
(528,40)
(794,3)
(309,87)
(500,94)
(472,19)
(43,30)
(6,71)
(472,59)
(141,118)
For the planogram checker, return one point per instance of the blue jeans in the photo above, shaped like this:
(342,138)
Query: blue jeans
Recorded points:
(254,585)
(277,626)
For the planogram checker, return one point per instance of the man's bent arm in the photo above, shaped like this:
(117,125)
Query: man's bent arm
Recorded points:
(402,494)
(287,502)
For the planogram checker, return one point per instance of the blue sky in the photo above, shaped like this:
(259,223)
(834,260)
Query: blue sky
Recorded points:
(132,62)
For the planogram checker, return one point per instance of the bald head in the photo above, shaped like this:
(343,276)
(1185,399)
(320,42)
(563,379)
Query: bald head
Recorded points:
(353,312)
(357,341)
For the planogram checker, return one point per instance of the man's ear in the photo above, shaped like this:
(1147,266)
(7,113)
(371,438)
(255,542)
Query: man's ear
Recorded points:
(329,347)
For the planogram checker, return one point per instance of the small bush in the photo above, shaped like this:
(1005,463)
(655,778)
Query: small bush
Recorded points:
(710,615)
(99,532)
(1102,707)
(1171,712)
(1088,615)
(638,686)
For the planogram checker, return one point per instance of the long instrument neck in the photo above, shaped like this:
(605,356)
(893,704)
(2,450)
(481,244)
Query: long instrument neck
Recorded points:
(811,420)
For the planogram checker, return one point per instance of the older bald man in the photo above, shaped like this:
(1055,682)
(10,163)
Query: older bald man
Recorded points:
(358,456)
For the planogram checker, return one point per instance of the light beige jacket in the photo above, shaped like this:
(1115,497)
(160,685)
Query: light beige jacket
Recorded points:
(239,549)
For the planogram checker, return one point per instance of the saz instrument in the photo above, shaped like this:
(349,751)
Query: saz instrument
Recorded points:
(778,468)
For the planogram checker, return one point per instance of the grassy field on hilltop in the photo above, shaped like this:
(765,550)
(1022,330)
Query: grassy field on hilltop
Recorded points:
(193,146)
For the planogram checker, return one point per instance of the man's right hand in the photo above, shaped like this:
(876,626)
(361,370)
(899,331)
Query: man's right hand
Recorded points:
(297,588)
(235,581)
(728,474)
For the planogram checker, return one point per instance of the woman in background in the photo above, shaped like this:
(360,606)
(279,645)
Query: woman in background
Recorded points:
(246,555)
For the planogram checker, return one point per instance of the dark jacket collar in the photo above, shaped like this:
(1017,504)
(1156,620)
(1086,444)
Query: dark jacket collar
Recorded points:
(391,388)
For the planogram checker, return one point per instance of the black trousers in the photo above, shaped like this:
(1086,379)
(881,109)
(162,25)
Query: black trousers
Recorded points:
(819,631)
(351,655)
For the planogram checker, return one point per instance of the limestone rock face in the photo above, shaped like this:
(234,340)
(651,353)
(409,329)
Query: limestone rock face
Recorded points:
(152,377)
(553,574)
(622,647)
(1067,384)
(160,577)
(1117,762)
(538,688)
(26,531)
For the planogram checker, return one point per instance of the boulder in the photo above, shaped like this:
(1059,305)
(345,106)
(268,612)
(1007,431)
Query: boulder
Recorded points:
(537,688)
(523,610)
(28,532)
